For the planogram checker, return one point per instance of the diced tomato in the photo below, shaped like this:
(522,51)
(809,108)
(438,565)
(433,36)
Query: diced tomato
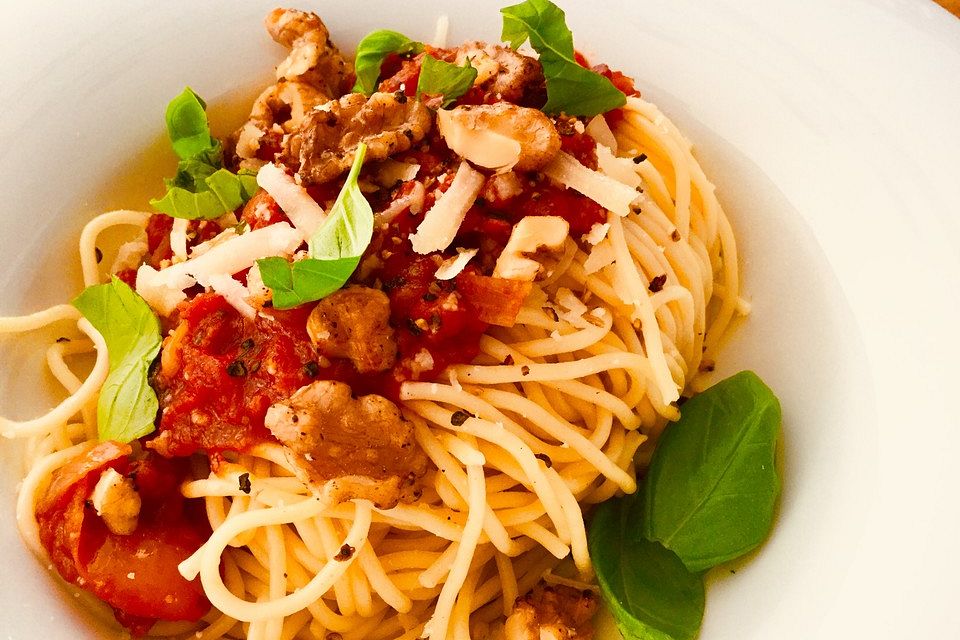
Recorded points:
(229,371)
(135,574)
(497,300)
(262,210)
(582,147)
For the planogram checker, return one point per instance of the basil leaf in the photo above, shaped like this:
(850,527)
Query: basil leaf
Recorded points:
(216,193)
(712,484)
(648,590)
(444,78)
(305,280)
(127,406)
(571,89)
(187,125)
(335,249)
(373,50)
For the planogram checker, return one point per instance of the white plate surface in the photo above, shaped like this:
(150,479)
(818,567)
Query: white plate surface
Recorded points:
(832,131)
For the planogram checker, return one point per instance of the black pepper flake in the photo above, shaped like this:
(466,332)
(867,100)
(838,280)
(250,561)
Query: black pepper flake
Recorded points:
(244,482)
(657,283)
(98,253)
(400,97)
(345,553)
(413,328)
(459,417)
(707,366)
(675,236)
(311,369)
(544,458)
(524,370)
(640,158)
(393,283)
(508,360)
(429,297)
(63,339)
(236,369)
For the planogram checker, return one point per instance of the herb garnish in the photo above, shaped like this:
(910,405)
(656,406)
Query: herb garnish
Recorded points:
(335,249)
(201,188)
(707,498)
(373,50)
(571,89)
(127,406)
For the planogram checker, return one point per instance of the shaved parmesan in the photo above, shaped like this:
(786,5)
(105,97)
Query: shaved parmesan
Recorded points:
(163,290)
(390,172)
(441,222)
(258,292)
(303,211)
(451,267)
(178,238)
(482,147)
(412,200)
(441,31)
(130,254)
(570,307)
(529,235)
(601,256)
(599,130)
(236,295)
(604,190)
(620,169)
(597,232)
(220,238)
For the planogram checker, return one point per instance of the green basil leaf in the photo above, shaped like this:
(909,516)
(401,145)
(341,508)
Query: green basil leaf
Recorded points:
(713,484)
(373,50)
(444,78)
(293,284)
(349,225)
(127,406)
(192,172)
(216,193)
(571,89)
(647,589)
(187,125)
(335,249)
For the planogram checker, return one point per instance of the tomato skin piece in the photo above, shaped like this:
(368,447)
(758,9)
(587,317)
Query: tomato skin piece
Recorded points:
(135,574)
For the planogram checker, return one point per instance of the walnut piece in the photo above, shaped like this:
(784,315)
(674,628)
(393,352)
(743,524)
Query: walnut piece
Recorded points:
(346,447)
(325,145)
(552,612)
(354,323)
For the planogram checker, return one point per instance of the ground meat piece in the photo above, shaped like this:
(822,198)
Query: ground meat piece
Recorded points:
(325,145)
(346,447)
(354,323)
(554,612)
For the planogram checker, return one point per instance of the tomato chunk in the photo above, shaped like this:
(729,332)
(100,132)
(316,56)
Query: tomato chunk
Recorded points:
(135,574)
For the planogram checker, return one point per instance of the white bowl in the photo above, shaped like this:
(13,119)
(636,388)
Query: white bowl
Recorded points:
(832,133)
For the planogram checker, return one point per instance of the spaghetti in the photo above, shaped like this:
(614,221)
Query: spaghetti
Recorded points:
(545,421)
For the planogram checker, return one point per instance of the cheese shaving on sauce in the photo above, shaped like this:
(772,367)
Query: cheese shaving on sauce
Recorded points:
(303,211)
(453,266)
(412,200)
(236,295)
(441,222)
(163,290)
(602,189)
(482,147)
(178,238)
(390,172)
